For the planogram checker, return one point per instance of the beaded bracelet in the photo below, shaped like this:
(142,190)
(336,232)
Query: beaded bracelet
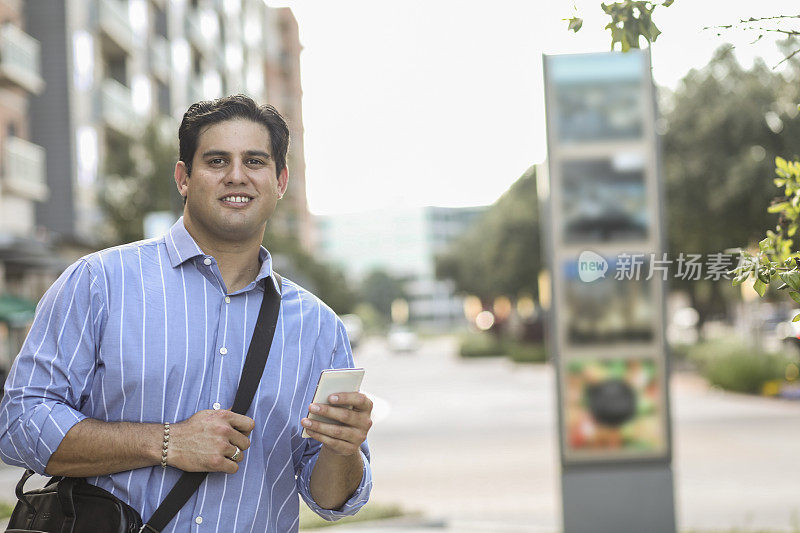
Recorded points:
(166,445)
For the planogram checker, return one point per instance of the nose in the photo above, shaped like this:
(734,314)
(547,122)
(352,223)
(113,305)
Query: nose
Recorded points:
(237,173)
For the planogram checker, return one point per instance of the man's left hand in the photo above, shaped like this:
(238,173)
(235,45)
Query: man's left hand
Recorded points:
(347,438)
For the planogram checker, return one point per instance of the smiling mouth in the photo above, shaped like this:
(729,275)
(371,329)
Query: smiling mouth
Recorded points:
(236,200)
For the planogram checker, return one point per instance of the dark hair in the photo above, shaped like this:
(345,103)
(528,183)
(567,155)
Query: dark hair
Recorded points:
(203,114)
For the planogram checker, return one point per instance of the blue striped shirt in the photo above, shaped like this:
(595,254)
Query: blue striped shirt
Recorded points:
(147,332)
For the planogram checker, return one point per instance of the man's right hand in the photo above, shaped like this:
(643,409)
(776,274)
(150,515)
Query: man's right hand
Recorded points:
(207,440)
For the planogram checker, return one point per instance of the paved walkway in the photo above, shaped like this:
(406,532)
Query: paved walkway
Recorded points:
(472,446)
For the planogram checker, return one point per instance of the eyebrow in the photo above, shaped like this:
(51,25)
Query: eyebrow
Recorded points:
(247,153)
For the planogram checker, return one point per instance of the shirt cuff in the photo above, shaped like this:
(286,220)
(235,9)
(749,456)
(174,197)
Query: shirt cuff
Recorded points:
(352,505)
(44,430)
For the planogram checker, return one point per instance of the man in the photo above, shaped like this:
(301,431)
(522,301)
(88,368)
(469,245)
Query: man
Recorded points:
(155,332)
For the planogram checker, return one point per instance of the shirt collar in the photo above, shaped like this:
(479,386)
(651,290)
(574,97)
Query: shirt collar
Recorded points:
(181,247)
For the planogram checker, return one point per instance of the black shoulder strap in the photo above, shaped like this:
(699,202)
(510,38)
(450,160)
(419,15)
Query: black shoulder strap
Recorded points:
(253,368)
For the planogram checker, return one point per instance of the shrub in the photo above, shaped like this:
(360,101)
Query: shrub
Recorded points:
(735,367)
(486,345)
(527,352)
(480,345)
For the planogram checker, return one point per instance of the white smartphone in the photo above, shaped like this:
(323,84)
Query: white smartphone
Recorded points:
(333,381)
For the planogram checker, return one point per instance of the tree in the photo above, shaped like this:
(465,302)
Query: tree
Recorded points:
(500,254)
(380,289)
(632,21)
(726,126)
(324,280)
(138,180)
(777,258)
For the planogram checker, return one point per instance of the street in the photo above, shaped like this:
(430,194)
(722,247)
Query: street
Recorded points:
(471,444)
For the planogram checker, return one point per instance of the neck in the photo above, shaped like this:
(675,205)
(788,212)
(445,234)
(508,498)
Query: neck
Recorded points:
(238,260)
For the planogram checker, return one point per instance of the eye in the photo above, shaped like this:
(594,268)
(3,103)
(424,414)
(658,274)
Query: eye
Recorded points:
(255,161)
(216,161)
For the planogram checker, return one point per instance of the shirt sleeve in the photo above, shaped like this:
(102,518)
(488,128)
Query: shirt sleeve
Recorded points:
(51,375)
(342,357)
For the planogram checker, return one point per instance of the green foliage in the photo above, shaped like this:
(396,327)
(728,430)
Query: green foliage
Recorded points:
(380,289)
(734,366)
(324,280)
(500,254)
(630,20)
(777,259)
(137,180)
(478,344)
(527,352)
(6,509)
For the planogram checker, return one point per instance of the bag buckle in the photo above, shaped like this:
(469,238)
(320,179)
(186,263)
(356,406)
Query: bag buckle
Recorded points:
(147,527)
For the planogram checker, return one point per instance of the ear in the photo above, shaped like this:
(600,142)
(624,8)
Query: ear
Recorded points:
(181,178)
(283,181)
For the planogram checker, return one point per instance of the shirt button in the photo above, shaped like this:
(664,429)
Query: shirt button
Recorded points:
(198,520)
(227,299)
(207,262)
(223,350)
(216,405)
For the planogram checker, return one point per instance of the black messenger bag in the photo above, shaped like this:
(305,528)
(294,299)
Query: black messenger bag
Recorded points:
(72,505)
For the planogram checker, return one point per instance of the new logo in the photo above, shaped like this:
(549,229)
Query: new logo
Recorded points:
(591,266)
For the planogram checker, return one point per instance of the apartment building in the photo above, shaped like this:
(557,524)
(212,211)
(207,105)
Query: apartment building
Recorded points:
(285,92)
(26,263)
(113,66)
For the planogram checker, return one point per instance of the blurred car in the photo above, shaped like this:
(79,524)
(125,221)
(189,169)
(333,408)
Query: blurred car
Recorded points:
(354,327)
(402,339)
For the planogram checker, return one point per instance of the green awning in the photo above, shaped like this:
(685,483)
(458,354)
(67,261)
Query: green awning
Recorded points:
(15,311)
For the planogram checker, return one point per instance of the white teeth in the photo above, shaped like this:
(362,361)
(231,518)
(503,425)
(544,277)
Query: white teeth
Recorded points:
(237,199)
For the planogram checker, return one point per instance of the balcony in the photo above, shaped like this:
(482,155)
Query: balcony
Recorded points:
(115,24)
(116,108)
(160,57)
(202,29)
(24,169)
(19,59)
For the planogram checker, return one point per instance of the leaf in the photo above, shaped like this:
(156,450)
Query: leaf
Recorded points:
(781,163)
(760,287)
(575,24)
(667,3)
(791,278)
(796,317)
(777,208)
(795,296)
(764,245)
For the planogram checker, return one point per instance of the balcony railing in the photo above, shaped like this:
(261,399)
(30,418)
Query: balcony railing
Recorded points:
(116,23)
(24,168)
(19,59)
(116,105)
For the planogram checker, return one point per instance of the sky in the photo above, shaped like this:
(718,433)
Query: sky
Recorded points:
(440,102)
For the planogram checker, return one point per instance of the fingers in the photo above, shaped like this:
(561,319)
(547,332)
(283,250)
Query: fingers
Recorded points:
(342,440)
(241,423)
(357,400)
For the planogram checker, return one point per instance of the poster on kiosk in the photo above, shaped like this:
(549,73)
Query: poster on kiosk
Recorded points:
(604,230)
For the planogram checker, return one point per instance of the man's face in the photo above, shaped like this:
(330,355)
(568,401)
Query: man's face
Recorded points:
(233,188)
